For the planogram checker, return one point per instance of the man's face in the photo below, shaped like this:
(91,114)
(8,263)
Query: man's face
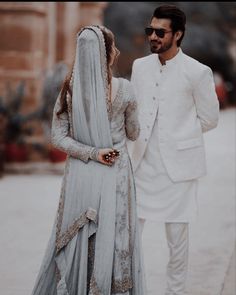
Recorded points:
(158,44)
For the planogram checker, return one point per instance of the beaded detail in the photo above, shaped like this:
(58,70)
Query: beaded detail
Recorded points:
(121,286)
(61,201)
(58,274)
(93,288)
(63,239)
(94,154)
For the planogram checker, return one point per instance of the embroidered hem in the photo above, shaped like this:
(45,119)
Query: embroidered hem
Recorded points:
(63,239)
(93,287)
(121,286)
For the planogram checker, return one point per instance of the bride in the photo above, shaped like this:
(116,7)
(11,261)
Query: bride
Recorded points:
(95,246)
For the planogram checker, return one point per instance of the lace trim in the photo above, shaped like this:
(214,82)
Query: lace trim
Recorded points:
(94,154)
(93,288)
(129,209)
(91,255)
(61,201)
(132,125)
(69,104)
(84,218)
(104,71)
(58,274)
(121,286)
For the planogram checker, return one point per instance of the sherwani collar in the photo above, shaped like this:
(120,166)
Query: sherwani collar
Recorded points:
(171,61)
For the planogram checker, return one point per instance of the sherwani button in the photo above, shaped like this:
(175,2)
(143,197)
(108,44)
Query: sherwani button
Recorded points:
(157,84)
(145,139)
(154,98)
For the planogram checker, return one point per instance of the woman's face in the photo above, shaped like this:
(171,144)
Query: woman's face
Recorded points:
(114,53)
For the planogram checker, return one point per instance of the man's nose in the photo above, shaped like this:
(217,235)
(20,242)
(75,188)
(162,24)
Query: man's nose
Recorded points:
(153,36)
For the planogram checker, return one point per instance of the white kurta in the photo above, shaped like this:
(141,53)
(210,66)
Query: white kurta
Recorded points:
(158,197)
(169,155)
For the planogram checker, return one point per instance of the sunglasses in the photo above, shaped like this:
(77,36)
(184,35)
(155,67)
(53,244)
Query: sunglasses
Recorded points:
(159,32)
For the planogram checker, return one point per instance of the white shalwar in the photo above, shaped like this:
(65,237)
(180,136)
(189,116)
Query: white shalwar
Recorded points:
(158,197)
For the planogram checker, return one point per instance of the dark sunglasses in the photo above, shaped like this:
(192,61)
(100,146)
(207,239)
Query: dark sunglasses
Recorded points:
(159,32)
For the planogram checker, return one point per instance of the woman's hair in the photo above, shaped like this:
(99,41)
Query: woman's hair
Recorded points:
(109,40)
(177,17)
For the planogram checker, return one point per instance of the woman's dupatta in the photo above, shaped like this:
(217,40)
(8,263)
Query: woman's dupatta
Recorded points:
(88,202)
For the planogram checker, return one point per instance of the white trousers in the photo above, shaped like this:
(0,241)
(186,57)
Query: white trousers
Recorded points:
(178,242)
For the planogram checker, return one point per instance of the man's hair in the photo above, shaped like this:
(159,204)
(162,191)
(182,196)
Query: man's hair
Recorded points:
(177,17)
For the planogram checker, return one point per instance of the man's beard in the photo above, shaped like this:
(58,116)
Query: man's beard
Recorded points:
(163,48)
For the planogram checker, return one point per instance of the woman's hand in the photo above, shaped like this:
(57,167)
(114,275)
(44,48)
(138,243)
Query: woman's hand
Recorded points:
(106,153)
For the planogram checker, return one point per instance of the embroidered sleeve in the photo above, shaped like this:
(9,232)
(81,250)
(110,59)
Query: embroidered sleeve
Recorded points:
(131,116)
(61,139)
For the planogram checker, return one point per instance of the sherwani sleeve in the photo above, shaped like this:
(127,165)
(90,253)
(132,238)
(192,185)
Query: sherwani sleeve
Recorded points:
(62,140)
(132,126)
(206,100)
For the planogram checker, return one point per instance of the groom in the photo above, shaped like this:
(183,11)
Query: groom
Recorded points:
(177,104)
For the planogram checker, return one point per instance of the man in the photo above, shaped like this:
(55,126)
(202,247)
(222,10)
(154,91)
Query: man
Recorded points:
(177,103)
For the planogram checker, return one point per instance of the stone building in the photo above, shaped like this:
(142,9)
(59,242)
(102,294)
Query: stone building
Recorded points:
(36,35)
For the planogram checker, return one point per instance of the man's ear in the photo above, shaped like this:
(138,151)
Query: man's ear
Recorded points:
(178,35)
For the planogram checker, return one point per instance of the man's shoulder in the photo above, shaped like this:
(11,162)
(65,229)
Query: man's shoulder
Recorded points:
(194,69)
(193,64)
(144,60)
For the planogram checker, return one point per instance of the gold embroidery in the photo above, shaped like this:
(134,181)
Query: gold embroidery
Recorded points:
(69,104)
(84,218)
(105,74)
(129,212)
(61,202)
(58,274)
(93,288)
(131,121)
(120,286)
(91,255)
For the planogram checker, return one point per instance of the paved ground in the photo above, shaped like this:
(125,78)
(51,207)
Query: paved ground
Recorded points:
(28,207)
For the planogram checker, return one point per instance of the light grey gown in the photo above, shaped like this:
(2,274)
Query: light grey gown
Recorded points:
(76,245)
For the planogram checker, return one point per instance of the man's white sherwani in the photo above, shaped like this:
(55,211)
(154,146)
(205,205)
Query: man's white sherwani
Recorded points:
(177,102)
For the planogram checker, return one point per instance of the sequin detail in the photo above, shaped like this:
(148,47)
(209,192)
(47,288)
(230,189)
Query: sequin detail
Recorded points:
(63,239)
(121,286)
(94,287)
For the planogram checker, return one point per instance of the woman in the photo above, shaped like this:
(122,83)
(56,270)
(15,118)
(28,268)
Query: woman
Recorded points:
(95,246)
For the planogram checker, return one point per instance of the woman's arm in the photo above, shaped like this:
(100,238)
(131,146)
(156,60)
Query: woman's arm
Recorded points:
(62,140)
